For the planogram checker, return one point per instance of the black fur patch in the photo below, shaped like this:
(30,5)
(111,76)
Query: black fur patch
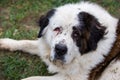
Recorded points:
(44,21)
(88,33)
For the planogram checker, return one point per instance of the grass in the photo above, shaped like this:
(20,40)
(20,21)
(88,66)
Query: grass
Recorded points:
(18,20)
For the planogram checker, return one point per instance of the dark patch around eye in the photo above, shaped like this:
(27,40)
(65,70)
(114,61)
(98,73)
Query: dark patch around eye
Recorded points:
(88,33)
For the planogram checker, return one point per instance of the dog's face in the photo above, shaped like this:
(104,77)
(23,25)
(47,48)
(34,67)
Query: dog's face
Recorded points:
(70,33)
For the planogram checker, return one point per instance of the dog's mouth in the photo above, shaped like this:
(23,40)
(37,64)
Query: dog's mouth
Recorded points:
(58,61)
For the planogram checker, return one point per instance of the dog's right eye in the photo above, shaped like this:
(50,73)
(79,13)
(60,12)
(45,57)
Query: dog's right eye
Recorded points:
(75,34)
(57,29)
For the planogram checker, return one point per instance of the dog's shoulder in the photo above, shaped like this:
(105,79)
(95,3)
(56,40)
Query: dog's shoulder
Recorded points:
(112,72)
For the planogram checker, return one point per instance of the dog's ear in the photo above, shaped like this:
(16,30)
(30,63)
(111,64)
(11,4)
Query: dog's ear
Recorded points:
(91,32)
(118,26)
(44,21)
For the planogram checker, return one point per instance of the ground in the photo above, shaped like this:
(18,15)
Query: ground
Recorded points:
(18,20)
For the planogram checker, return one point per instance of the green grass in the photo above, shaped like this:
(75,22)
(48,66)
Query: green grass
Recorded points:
(16,66)
(18,20)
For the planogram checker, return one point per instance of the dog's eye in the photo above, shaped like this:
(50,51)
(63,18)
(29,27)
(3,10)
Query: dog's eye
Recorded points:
(75,34)
(57,29)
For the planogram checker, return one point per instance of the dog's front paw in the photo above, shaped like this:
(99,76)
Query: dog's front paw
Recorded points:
(8,44)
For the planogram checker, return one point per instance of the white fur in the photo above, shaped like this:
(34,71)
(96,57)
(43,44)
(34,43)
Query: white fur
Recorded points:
(77,67)
(112,72)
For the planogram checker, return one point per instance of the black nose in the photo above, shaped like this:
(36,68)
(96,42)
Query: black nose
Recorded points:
(60,50)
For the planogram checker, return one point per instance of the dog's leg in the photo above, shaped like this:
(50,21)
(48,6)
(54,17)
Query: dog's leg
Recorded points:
(47,78)
(30,46)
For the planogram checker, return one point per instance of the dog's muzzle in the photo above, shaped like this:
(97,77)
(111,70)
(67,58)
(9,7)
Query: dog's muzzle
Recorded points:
(60,51)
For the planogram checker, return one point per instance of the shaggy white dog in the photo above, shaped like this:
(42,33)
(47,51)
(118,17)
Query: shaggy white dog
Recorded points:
(75,41)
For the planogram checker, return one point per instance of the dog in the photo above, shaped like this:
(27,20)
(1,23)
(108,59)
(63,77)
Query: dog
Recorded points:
(79,41)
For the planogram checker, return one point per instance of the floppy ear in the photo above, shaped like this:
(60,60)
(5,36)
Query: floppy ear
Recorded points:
(91,32)
(44,21)
(118,24)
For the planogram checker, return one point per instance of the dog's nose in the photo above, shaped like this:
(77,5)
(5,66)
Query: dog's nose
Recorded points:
(60,50)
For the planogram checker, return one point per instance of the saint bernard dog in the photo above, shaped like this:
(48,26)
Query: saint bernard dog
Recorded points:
(78,41)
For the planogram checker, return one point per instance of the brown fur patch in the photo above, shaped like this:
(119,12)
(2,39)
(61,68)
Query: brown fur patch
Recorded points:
(88,33)
(114,54)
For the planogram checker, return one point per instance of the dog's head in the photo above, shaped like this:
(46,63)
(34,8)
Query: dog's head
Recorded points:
(70,33)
